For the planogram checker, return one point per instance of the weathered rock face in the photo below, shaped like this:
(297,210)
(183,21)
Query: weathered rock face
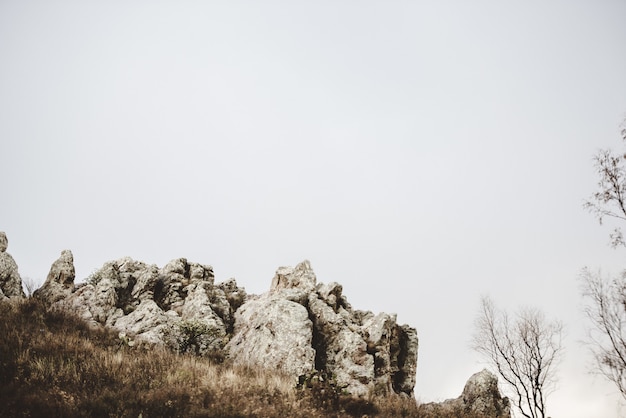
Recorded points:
(480,396)
(301,278)
(157,305)
(10,280)
(273,332)
(364,352)
(299,326)
(4,242)
(60,281)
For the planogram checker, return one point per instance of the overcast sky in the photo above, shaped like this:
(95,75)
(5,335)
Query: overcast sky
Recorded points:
(421,153)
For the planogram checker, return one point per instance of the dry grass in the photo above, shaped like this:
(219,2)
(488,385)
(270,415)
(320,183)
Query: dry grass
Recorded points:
(52,364)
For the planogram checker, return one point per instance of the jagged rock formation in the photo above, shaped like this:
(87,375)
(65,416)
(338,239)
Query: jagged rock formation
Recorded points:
(10,280)
(299,327)
(152,304)
(60,281)
(362,351)
(480,396)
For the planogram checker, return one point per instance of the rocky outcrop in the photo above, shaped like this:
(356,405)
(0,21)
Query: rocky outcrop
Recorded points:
(157,305)
(480,397)
(299,326)
(60,281)
(364,353)
(10,280)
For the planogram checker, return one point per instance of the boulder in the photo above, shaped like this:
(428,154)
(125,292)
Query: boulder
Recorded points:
(60,281)
(274,333)
(148,322)
(480,397)
(10,280)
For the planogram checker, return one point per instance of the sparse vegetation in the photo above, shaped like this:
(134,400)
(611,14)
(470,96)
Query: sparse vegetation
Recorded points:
(197,338)
(53,364)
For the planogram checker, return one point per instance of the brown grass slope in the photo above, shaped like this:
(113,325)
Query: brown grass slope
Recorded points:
(53,365)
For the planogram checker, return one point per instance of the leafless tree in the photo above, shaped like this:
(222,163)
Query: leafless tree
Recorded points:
(606,308)
(524,350)
(610,199)
(605,299)
(29,285)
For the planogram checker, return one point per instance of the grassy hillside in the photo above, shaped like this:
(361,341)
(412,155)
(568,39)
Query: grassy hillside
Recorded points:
(53,364)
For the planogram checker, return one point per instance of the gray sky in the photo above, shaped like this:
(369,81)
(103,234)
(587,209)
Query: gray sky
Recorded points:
(421,153)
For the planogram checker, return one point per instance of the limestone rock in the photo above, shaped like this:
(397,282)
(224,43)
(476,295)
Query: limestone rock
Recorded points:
(81,303)
(147,322)
(4,242)
(364,353)
(404,358)
(175,276)
(10,280)
(341,349)
(331,293)
(299,326)
(225,299)
(197,308)
(300,277)
(379,335)
(60,281)
(163,306)
(480,397)
(236,296)
(274,333)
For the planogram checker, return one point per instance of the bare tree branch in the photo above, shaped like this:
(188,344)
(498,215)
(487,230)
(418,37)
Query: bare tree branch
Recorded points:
(610,199)
(606,309)
(30,286)
(525,353)
(605,299)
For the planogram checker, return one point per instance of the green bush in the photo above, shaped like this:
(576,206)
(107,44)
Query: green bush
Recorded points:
(195,337)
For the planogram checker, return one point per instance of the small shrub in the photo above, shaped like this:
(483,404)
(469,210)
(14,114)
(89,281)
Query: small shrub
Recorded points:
(357,407)
(323,388)
(195,337)
(94,278)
